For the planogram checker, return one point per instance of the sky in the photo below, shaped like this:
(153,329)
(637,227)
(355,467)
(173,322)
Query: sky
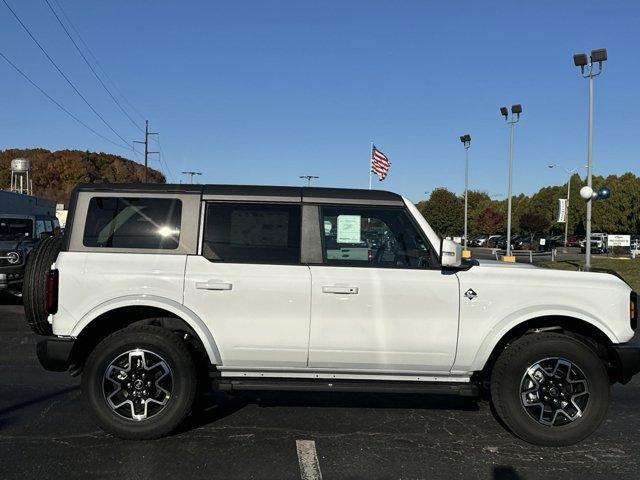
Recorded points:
(261,92)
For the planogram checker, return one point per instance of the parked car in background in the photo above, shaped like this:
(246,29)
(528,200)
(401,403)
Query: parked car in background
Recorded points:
(574,240)
(492,241)
(598,243)
(19,234)
(480,240)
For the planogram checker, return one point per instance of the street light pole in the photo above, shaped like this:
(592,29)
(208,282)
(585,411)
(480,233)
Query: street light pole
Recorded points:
(516,110)
(466,141)
(587,68)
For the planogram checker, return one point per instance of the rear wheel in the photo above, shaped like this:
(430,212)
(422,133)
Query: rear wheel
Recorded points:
(550,389)
(140,382)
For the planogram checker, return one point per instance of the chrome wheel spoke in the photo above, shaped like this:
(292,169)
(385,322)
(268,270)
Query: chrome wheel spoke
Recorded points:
(137,384)
(554,391)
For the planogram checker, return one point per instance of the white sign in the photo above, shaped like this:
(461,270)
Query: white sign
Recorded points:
(562,210)
(348,229)
(619,241)
(543,241)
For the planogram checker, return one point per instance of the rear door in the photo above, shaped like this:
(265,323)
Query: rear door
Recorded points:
(379,300)
(249,286)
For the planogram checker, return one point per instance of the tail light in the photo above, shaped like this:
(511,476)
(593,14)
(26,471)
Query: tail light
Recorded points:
(633,310)
(51,298)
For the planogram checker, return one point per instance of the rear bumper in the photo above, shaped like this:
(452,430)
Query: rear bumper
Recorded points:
(627,358)
(54,353)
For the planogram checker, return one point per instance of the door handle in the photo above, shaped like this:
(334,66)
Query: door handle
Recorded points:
(343,290)
(214,285)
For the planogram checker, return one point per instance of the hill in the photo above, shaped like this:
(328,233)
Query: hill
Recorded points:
(56,173)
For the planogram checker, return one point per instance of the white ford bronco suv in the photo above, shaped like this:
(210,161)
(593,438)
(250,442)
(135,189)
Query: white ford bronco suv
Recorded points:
(157,291)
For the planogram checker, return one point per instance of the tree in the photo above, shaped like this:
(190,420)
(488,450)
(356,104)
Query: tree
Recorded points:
(490,221)
(55,174)
(444,211)
(533,223)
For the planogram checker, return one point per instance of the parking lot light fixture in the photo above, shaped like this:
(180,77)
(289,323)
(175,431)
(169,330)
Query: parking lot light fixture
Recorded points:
(570,174)
(308,178)
(589,71)
(516,111)
(466,141)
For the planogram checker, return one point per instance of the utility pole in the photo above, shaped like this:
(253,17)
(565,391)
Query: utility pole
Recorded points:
(146,147)
(309,178)
(191,175)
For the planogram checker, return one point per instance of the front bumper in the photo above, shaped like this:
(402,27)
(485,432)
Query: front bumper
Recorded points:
(627,359)
(10,278)
(54,353)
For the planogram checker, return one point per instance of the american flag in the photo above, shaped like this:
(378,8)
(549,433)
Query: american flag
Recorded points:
(379,163)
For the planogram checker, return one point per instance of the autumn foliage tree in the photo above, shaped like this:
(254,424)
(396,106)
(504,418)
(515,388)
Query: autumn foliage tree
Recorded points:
(55,174)
(490,221)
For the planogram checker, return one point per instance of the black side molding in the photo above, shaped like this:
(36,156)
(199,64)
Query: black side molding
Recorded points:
(324,385)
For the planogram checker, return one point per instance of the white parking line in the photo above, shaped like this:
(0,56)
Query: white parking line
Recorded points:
(308,460)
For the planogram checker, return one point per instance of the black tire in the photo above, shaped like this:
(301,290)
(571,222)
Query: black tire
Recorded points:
(158,342)
(33,289)
(509,379)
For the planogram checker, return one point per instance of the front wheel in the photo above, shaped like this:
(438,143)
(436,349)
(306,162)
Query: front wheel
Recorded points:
(550,389)
(139,383)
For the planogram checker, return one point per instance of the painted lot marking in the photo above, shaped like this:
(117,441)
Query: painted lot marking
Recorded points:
(308,460)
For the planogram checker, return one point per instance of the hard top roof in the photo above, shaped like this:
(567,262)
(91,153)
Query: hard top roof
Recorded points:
(307,194)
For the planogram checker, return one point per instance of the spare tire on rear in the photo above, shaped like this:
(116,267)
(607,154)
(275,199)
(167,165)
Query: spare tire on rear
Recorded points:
(34,287)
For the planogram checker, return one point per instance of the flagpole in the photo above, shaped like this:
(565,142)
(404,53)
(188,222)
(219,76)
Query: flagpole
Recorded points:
(370,157)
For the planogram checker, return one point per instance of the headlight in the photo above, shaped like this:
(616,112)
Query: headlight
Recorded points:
(13,258)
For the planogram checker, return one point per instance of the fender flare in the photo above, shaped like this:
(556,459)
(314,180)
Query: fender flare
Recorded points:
(531,313)
(179,310)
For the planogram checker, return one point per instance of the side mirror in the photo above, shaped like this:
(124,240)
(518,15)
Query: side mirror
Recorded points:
(450,253)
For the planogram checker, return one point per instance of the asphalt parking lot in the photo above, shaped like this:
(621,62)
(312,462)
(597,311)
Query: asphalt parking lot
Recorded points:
(45,433)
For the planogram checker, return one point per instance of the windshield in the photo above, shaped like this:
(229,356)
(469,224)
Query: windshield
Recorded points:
(15,228)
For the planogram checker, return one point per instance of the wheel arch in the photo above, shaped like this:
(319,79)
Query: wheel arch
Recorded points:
(142,309)
(590,332)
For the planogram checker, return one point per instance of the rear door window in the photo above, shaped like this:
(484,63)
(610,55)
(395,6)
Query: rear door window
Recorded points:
(129,222)
(252,233)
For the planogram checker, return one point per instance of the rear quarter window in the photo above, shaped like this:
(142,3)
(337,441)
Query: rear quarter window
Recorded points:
(130,222)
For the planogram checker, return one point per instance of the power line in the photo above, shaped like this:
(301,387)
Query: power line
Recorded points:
(53,100)
(91,67)
(95,59)
(162,159)
(62,73)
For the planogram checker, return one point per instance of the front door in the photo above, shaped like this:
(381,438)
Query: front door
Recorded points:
(379,301)
(249,286)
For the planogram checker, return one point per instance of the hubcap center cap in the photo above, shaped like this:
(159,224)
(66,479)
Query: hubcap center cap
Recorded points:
(138,384)
(553,391)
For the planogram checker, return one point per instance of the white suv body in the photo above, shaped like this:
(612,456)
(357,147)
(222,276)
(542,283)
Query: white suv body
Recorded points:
(357,290)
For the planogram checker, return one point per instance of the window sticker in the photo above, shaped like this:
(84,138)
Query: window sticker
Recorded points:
(328,226)
(349,227)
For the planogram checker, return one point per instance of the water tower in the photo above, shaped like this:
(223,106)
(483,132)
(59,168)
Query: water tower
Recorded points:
(21,176)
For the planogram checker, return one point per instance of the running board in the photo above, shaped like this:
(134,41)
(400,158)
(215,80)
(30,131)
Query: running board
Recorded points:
(463,389)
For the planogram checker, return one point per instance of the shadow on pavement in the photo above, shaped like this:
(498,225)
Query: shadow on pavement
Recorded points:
(33,401)
(9,299)
(502,472)
(218,405)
